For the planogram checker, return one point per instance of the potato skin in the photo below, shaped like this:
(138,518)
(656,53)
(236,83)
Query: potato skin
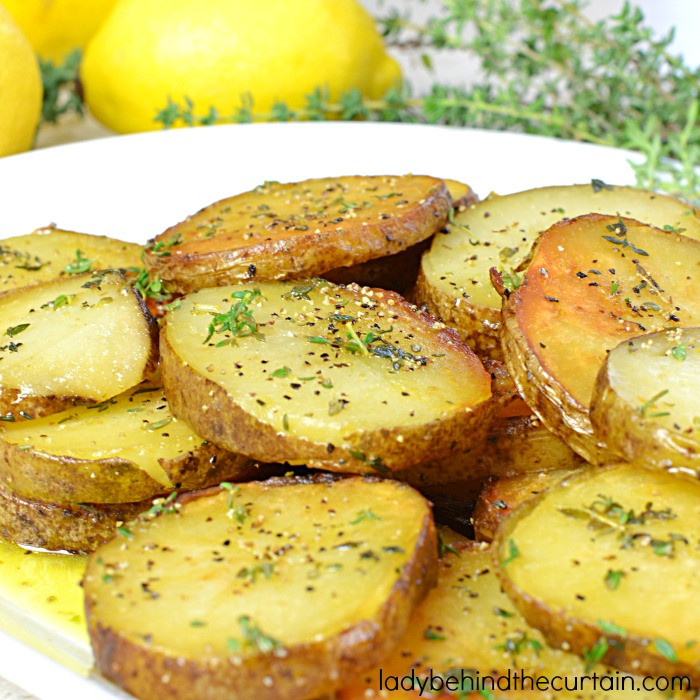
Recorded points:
(270,677)
(79,529)
(297,256)
(61,479)
(478,325)
(208,408)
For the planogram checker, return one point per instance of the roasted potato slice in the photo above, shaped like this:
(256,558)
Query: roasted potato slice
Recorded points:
(339,378)
(501,495)
(82,339)
(50,252)
(514,446)
(461,194)
(467,630)
(75,528)
(591,283)
(607,563)
(499,232)
(284,231)
(124,449)
(280,589)
(645,402)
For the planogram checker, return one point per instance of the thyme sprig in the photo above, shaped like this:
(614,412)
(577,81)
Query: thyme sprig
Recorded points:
(545,69)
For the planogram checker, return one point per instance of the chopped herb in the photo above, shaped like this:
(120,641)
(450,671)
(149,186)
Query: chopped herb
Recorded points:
(614,287)
(365,514)
(665,649)
(102,406)
(642,410)
(511,281)
(429,633)
(79,265)
(596,653)
(680,352)
(281,372)
(254,637)
(7,418)
(58,302)
(125,532)
(358,455)
(174,305)
(285,422)
(158,424)
(612,628)
(197,623)
(238,320)
(501,612)
(251,572)
(16,330)
(235,511)
(613,579)
(513,553)
(445,547)
(163,505)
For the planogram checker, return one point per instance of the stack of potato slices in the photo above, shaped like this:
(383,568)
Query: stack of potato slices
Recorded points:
(547,381)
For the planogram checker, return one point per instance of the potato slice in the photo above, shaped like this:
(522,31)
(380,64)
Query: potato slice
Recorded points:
(514,446)
(501,495)
(608,562)
(468,630)
(461,194)
(78,529)
(338,378)
(50,252)
(81,339)
(282,231)
(125,449)
(591,283)
(280,589)
(645,403)
(499,232)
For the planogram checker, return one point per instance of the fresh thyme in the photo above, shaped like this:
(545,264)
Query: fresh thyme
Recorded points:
(238,320)
(79,265)
(61,92)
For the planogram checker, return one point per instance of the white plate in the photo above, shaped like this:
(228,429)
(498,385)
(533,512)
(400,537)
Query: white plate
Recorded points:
(133,187)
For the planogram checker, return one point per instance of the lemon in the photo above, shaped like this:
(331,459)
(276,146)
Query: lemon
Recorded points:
(56,27)
(218,51)
(20,88)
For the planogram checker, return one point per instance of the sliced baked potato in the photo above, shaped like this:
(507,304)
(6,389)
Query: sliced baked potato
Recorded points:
(501,495)
(340,378)
(645,402)
(607,563)
(281,589)
(50,252)
(499,231)
(75,528)
(284,231)
(127,448)
(514,446)
(466,630)
(591,283)
(81,339)
(462,195)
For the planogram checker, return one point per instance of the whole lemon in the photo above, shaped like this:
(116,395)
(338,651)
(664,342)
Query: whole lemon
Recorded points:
(20,88)
(215,52)
(56,27)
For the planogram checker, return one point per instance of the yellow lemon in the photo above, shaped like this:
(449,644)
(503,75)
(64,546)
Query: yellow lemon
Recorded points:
(20,88)
(56,27)
(215,52)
